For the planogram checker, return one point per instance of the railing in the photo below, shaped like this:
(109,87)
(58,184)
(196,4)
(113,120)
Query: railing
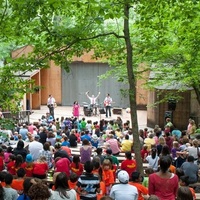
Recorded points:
(19,117)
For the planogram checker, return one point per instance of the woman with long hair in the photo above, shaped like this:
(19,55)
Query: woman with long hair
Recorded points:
(62,190)
(163,184)
(153,159)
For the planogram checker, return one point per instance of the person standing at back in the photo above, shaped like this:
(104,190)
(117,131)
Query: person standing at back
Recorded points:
(76,109)
(107,104)
(51,104)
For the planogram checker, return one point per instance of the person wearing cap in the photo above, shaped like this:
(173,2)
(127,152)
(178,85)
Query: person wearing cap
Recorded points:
(35,147)
(123,190)
(28,165)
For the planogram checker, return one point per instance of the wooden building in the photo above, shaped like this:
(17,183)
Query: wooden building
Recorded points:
(69,87)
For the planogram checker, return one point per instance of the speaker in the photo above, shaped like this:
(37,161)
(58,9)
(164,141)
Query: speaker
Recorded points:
(172,104)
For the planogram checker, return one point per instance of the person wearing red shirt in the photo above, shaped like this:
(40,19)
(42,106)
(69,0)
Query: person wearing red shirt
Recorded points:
(28,165)
(62,165)
(40,168)
(1,159)
(76,165)
(144,152)
(129,164)
(136,180)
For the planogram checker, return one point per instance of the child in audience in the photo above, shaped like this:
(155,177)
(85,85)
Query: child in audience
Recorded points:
(29,165)
(9,192)
(13,166)
(17,183)
(73,179)
(184,181)
(10,165)
(7,154)
(76,166)
(2,178)
(40,168)
(107,175)
(1,159)
(145,181)
(136,180)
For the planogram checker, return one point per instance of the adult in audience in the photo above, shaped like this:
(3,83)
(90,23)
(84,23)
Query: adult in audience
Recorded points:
(123,190)
(163,183)
(62,190)
(20,149)
(190,169)
(35,147)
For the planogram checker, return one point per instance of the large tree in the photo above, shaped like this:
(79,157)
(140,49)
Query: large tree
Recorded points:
(60,29)
(123,33)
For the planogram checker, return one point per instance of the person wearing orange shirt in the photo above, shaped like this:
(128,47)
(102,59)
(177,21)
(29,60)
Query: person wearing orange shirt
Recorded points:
(136,180)
(184,181)
(107,175)
(17,183)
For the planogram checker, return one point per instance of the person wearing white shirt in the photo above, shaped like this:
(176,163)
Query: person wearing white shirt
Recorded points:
(35,147)
(51,104)
(93,99)
(107,104)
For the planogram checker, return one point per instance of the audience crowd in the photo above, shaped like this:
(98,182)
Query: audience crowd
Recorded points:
(37,161)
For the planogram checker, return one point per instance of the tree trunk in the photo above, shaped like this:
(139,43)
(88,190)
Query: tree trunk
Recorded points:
(132,89)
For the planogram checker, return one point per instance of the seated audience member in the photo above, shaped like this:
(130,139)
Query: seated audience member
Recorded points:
(115,160)
(149,141)
(17,183)
(20,150)
(9,192)
(148,171)
(144,152)
(7,154)
(76,166)
(47,154)
(88,183)
(136,180)
(126,145)
(28,165)
(153,159)
(129,164)
(85,151)
(62,165)
(184,181)
(18,163)
(59,152)
(39,191)
(190,169)
(40,168)
(10,164)
(123,190)
(2,178)
(184,193)
(65,142)
(62,190)
(26,185)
